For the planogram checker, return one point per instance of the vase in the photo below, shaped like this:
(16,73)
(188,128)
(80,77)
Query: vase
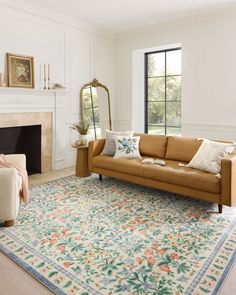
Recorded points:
(84,139)
(77,142)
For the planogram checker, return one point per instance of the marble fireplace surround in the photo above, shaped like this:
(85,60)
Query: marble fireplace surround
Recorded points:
(45,119)
(22,107)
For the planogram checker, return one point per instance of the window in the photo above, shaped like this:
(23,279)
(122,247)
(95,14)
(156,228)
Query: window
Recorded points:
(163,92)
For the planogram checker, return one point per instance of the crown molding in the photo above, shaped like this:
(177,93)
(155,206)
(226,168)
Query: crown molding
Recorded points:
(31,10)
(25,8)
(180,21)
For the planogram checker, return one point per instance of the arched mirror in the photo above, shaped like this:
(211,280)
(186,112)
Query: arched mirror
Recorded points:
(95,108)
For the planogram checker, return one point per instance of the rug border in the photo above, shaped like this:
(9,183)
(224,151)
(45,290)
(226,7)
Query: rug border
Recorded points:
(44,257)
(32,272)
(228,269)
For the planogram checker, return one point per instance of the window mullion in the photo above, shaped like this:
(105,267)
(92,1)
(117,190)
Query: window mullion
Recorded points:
(146,94)
(150,104)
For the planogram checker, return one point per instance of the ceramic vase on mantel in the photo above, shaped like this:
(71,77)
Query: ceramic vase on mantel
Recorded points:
(84,139)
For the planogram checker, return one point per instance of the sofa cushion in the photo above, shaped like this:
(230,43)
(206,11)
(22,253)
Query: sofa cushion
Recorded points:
(209,155)
(110,145)
(182,148)
(127,147)
(152,145)
(125,165)
(171,173)
(183,176)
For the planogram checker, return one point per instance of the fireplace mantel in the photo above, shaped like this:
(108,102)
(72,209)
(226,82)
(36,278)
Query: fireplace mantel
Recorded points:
(22,98)
(22,101)
(28,91)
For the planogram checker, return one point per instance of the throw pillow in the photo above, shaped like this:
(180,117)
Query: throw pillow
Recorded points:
(127,147)
(110,145)
(209,155)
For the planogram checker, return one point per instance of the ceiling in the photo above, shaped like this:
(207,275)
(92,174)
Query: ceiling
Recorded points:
(122,15)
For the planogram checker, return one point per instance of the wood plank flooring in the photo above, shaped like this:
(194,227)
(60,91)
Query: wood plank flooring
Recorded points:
(15,281)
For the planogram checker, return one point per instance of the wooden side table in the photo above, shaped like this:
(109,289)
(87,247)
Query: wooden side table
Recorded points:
(81,161)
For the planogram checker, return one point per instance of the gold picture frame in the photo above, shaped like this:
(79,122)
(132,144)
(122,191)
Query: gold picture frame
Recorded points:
(20,71)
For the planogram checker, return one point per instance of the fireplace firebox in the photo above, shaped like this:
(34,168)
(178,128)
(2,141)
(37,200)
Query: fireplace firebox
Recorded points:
(23,140)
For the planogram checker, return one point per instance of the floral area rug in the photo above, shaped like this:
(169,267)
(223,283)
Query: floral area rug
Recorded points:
(82,236)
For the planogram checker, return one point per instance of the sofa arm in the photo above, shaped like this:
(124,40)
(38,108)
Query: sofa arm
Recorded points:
(8,194)
(95,148)
(228,180)
(17,159)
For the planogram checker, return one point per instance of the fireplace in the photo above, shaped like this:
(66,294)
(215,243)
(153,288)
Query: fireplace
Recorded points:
(32,135)
(23,140)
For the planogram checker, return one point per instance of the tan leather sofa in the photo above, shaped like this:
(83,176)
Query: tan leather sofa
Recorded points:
(172,178)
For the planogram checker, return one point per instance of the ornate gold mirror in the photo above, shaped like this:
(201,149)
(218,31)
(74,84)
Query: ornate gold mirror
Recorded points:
(95,108)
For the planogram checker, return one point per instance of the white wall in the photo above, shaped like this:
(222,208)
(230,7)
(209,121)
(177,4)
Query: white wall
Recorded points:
(77,52)
(208,68)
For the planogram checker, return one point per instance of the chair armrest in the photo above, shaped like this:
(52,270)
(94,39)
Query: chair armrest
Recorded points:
(8,194)
(18,159)
(95,147)
(228,180)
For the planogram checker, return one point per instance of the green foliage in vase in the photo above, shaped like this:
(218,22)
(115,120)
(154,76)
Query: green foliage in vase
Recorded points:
(82,127)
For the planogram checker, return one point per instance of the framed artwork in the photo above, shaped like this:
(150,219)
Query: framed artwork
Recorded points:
(20,71)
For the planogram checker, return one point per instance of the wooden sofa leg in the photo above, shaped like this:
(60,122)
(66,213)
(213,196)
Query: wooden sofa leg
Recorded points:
(9,223)
(100,177)
(220,208)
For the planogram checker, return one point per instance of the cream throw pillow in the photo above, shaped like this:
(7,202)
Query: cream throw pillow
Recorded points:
(110,145)
(209,155)
(127,147)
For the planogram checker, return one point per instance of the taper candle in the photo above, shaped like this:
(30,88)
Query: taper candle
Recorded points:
(48,71)
(49,86)
(44,78)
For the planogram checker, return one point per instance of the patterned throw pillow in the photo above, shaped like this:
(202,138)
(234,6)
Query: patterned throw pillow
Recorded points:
(209,155)
(127,147)
(110,145)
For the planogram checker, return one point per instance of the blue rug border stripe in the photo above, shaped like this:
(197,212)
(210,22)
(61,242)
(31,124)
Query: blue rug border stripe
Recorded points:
(225,274)
(215,251)
(46,259)
(33,272)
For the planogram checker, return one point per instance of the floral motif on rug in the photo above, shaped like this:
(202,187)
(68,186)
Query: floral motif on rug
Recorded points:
(82,236)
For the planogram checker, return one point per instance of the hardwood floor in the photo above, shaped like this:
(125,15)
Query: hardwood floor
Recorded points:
(38,179)
(15,281)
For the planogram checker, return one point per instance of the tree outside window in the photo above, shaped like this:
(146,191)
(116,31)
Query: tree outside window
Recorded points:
(163,92)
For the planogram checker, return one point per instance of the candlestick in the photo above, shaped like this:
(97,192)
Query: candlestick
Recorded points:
(48,71)
(49,76)
(44,77)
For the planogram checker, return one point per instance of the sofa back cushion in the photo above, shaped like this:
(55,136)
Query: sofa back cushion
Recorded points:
(182,148)
(152,145)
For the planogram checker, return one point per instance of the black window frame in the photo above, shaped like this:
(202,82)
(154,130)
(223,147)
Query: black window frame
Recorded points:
(146,87)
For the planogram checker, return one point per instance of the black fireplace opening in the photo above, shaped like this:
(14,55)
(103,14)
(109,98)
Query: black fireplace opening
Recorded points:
(23,140)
